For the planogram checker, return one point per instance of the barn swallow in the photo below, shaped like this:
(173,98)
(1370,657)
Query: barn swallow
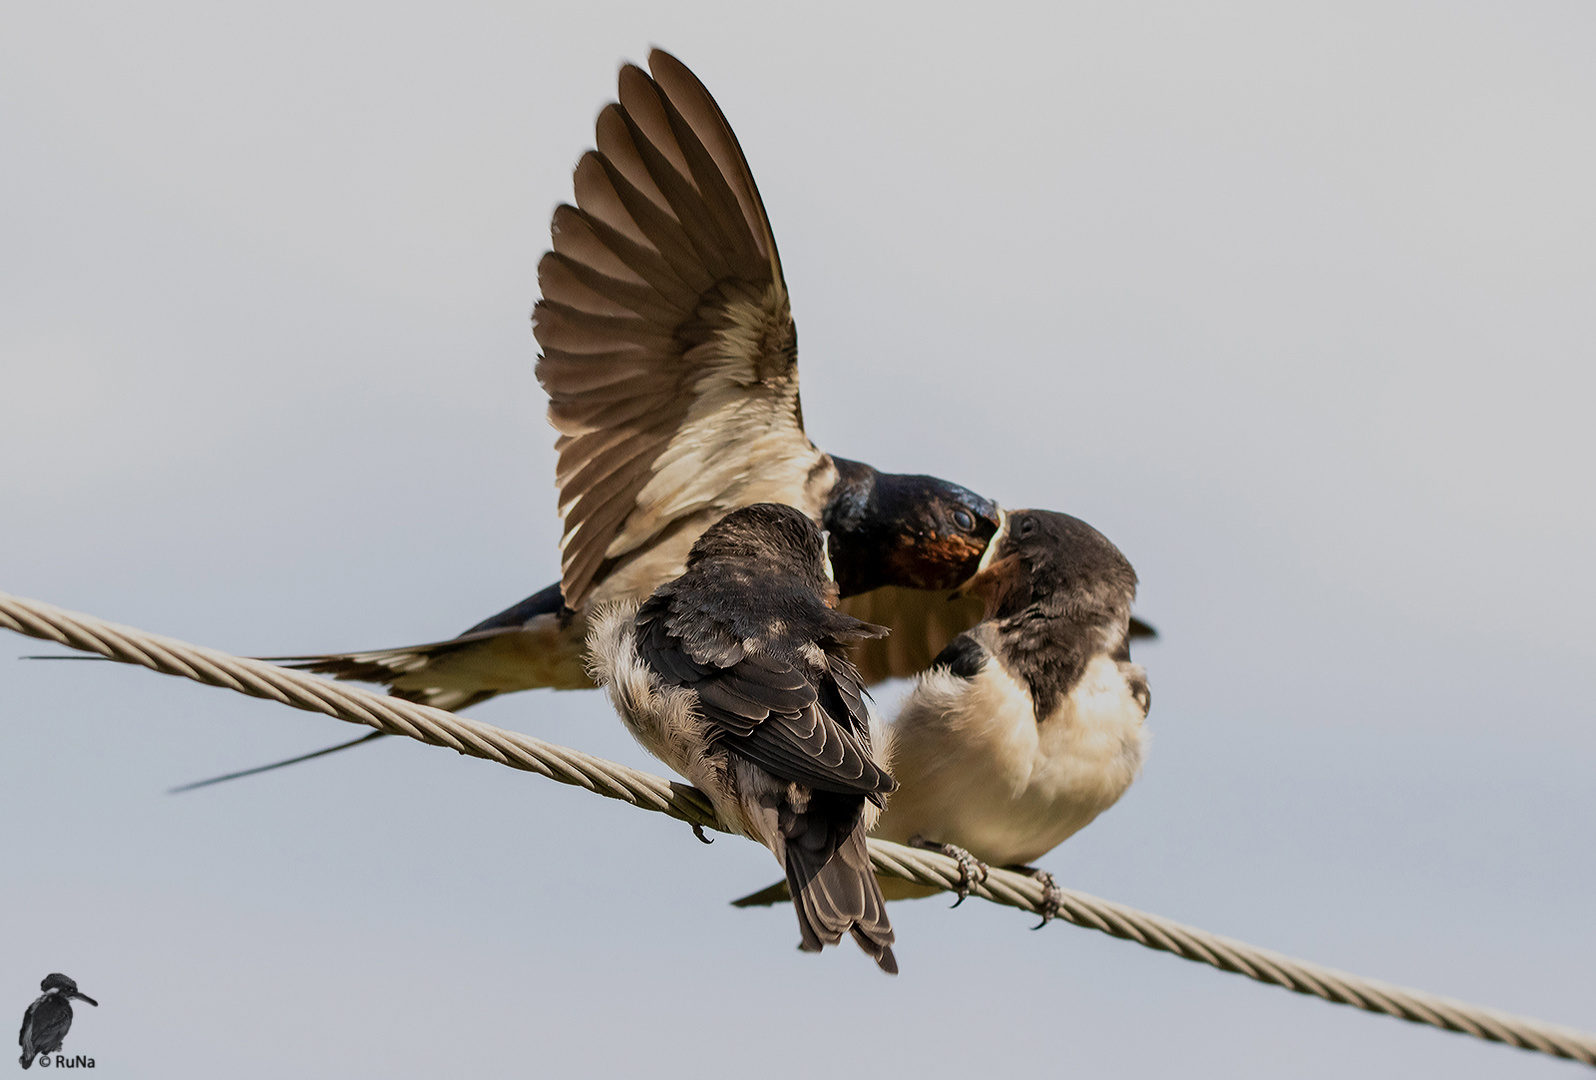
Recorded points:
(1029,725)
(669,355)
(736,674)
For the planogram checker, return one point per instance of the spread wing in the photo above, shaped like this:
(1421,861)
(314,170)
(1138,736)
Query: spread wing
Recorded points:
(922,624)
(668,347)
(809,727)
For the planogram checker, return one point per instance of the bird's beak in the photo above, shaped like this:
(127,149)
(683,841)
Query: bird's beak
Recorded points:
(992,583)
(992,544)
(1143,630)
(85,997)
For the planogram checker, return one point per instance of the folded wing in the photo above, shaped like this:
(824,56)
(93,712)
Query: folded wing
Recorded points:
(805,726)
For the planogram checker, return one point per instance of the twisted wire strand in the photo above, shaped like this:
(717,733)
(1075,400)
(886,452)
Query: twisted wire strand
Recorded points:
(685,803)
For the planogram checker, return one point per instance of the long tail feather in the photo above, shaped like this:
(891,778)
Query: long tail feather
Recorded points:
(277,764)
(769,896)
(835,892)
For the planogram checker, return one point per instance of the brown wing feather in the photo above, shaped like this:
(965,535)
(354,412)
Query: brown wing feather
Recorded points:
(922,624)
(669,354)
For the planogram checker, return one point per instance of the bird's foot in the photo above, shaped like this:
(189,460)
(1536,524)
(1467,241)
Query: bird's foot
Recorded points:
(1052,895)
(698,831)
(972,871)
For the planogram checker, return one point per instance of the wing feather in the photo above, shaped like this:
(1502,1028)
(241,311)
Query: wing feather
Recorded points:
(581,552)
(637,159)
(577,331)
(621,370)
(597,415)
(698,112)
(594,244)
(799,726)
(597,198)
(596,473)
(658,226)
(669,354)
(922,624)
(563,278)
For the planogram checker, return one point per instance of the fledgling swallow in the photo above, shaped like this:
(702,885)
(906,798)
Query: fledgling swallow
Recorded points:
(736,674)
(670,358)
(1029,725)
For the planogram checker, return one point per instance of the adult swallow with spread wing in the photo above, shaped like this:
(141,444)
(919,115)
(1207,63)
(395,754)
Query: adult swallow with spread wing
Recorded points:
(736,674)
(1029,725)
(669,356)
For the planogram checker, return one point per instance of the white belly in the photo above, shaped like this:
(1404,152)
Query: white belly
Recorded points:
(976,769)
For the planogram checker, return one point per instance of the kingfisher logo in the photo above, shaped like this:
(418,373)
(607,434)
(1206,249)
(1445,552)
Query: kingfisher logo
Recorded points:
(46,1023)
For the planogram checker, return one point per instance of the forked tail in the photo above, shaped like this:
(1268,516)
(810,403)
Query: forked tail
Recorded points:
(833,888)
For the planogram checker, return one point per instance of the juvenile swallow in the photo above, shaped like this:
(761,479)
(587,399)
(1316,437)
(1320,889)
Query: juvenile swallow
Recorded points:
(736,674)
(49,1018)
(1029,725)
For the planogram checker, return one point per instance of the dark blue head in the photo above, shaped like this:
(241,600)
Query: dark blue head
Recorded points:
(916,532)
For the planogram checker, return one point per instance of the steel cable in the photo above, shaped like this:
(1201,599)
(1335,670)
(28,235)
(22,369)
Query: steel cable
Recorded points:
(612,780)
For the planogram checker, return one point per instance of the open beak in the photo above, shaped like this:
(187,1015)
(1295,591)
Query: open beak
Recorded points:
(994,583)
(992,544)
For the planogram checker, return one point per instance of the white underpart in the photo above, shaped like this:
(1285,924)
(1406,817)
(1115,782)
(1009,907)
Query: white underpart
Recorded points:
(976,769)
(663,718)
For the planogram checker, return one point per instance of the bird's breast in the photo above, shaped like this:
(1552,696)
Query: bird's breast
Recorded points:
(977,769)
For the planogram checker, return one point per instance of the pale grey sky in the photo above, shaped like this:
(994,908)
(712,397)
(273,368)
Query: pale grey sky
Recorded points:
(1296,303)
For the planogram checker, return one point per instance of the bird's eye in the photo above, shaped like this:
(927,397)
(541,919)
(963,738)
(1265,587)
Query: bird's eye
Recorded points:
(963,519)
(1025,527)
